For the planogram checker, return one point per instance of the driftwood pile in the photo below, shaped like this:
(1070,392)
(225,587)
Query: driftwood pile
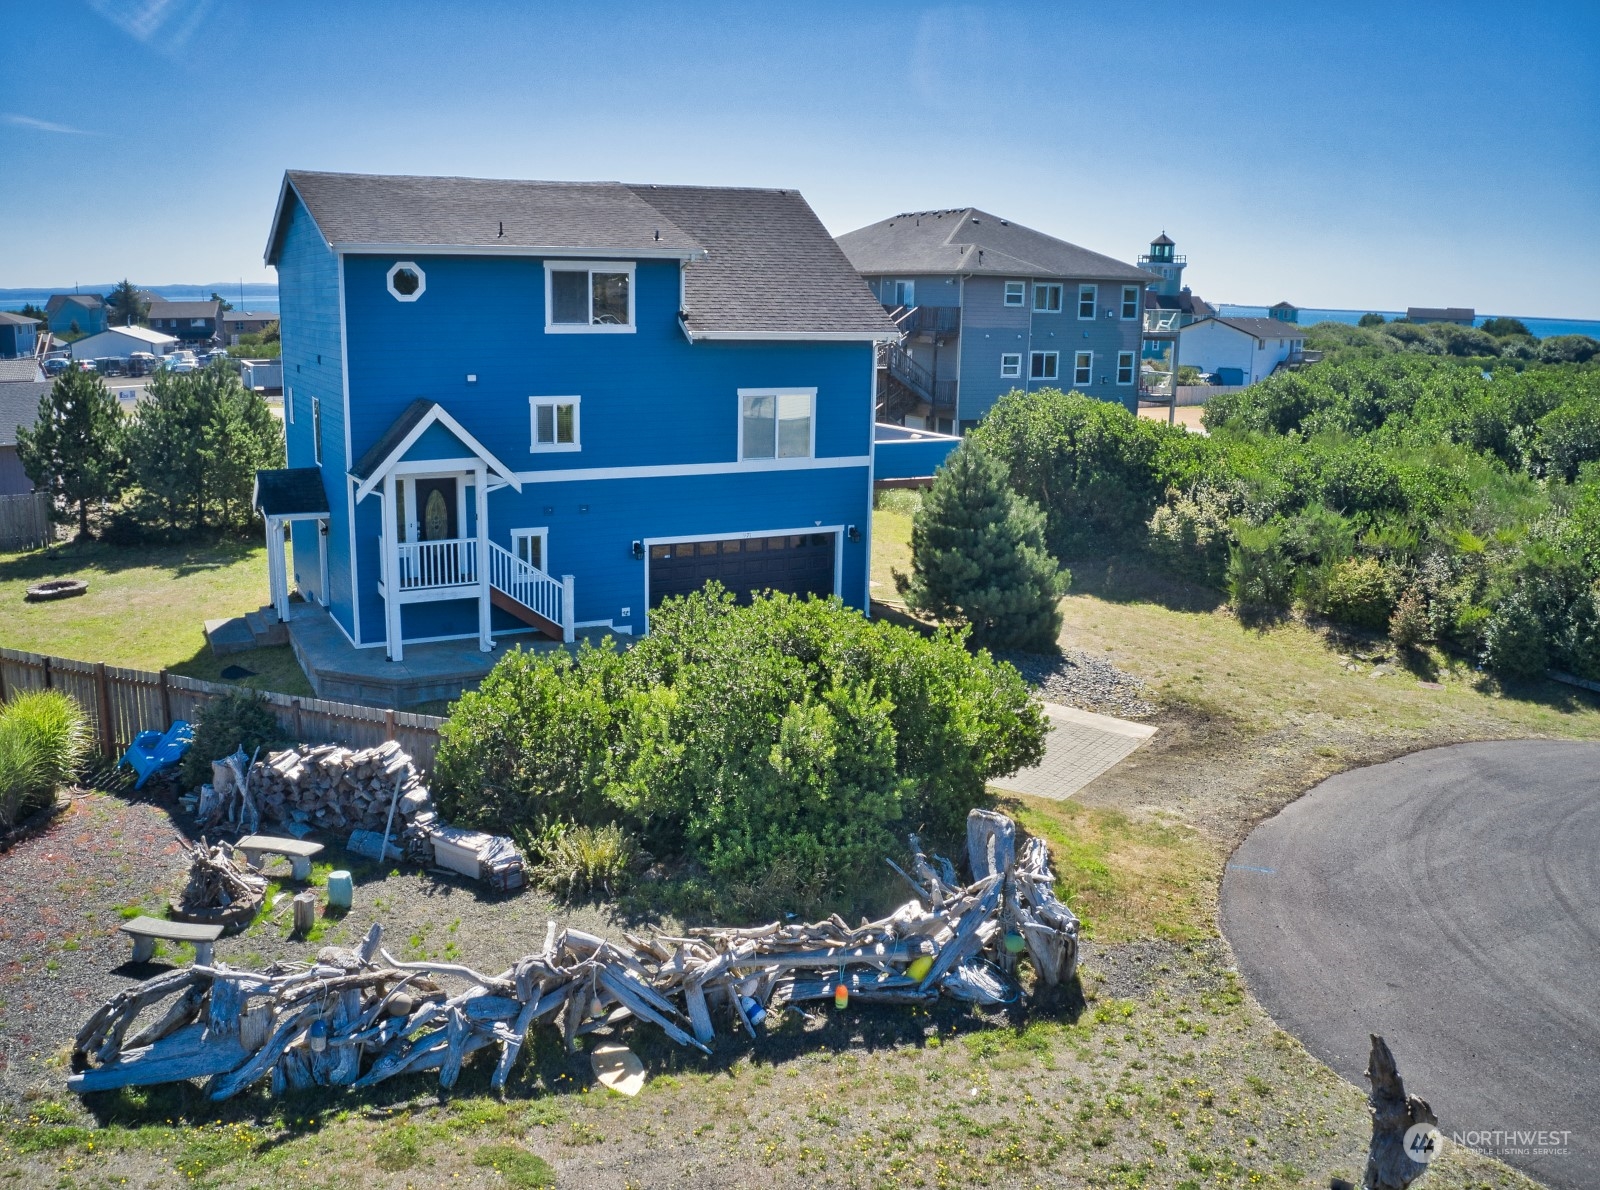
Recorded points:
(357,1017)
(220,890)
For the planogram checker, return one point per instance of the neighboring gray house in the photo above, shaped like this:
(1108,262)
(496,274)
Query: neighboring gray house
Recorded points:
(193,323)
(1456,315)
(988,306)
(18,335)
(19,406)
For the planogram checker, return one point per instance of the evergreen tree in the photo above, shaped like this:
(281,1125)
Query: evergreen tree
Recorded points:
(978,554)
(77,448)
(197,441)
(126,305)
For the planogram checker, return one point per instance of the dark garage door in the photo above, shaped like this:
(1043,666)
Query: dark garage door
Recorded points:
(799,564)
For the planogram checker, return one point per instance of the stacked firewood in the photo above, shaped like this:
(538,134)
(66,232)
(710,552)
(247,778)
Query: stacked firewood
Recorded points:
(332,788)
(220,890)
(354,1018)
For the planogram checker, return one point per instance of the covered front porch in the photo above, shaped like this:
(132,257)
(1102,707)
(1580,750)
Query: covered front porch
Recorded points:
(432,480)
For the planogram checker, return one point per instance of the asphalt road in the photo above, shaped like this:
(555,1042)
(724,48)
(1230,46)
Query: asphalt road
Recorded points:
(1449,900)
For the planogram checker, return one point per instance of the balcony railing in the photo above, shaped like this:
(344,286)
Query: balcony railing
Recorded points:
(1161,322)
(452,562)
(931,321)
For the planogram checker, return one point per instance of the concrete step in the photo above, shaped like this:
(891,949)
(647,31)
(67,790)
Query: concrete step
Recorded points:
(266,628)
(232,635)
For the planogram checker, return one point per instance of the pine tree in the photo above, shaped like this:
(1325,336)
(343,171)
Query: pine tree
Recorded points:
(77,448)
(978,554)
(126,305)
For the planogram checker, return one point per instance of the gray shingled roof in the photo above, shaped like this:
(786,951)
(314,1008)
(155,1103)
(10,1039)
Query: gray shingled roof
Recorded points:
(1261,328)
(7,318)
(248,316)
(392,437)
(975,242)
(90,301)
(26,368)
(185,309)
(291,491)
(771,267)
(760,262)
(421,212)
(19,406)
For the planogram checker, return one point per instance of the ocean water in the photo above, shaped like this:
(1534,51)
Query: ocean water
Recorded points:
(259,297)
(1542,327)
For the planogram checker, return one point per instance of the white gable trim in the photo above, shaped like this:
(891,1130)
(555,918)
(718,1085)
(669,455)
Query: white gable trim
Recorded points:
(435,415)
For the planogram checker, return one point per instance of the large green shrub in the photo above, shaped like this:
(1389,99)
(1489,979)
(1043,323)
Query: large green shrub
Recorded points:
(785,731)
(44,737)
(1355,591)
(1260,573)
(237,720)
(978,556)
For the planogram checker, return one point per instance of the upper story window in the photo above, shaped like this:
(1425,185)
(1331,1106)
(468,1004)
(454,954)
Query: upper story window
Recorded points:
(406,281)
(1088,298)
(1047,298)
(1082,367)
(555,423)
(583,296)
(904,293)
(1130,301)
(1043,365)
(777,423)
(197,322)
(1010,365)
(1015,291)
(1124,367)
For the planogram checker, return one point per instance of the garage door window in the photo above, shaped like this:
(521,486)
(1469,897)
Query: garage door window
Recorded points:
(776,423)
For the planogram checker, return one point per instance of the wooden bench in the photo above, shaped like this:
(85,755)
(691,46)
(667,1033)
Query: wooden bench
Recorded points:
(145,930)
(297,851)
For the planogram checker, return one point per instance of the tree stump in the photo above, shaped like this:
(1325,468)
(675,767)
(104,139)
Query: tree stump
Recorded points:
(1397,1155)
(305,912)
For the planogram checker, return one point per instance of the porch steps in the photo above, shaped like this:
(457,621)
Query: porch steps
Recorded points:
(253,630)
(524,613)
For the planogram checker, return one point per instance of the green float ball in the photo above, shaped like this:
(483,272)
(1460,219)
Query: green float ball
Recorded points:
(1016,944)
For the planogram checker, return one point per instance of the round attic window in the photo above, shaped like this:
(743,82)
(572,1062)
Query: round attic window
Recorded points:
(406,281)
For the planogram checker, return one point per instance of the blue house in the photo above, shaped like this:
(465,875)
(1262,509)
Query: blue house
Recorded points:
(18,335)
(75,313)
(678,388)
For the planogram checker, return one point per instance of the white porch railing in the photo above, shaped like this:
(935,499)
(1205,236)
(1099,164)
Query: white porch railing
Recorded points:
(452,562)
(532,588)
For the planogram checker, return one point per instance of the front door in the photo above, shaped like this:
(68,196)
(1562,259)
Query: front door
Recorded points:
(436,509)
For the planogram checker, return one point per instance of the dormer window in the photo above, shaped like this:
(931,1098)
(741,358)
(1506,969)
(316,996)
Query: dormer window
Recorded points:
(584,297)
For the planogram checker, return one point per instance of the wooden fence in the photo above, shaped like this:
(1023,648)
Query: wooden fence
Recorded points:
(121,703)
(25,521)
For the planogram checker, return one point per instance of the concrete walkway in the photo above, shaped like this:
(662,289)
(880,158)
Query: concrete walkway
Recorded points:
(1080,747)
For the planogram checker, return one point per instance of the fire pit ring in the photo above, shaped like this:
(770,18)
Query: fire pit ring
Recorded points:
(60,588)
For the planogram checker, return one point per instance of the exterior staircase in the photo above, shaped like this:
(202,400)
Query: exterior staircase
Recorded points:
(253,630)
(531,595)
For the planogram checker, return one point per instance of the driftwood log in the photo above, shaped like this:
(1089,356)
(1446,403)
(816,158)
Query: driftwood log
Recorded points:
(1393,1156)
(357,1017)
(219,890)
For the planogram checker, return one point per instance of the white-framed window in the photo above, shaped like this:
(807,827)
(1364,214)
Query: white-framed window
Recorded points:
(1046,297)
(1044,365)
(1124,367)
(1010,365)
(532,546)
(1130,302)
(1016,291)
(554,424)
(1088,298)
(777,423)
(199,322)
(905,292)
(1083,367)
(406,281)
(316,430)
(588,297)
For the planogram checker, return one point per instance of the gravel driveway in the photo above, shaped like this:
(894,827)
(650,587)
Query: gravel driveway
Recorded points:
(1449,900)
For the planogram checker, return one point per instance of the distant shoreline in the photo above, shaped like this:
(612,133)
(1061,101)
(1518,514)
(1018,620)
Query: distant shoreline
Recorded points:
(1543,328)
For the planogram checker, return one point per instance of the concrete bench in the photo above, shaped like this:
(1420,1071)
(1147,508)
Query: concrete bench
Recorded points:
(297,851)
(145,930)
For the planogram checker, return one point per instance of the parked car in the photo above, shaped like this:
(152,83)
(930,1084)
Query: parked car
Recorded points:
(84,365)
(180,361)
(54,367)
(110,365)
(213,357)
(142,363)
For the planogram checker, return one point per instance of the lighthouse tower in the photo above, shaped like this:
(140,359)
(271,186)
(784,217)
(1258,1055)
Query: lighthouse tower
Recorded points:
(1166,265)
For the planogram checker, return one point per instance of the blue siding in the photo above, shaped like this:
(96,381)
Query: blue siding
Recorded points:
(308,297)
(911,458)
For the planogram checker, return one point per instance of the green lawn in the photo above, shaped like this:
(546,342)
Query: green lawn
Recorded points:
(145,608)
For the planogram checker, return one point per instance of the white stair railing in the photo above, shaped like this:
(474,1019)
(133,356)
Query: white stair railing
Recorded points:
(532,588)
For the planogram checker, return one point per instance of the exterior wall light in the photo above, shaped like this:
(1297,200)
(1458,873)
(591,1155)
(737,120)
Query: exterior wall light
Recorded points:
(853,533)
(638,552)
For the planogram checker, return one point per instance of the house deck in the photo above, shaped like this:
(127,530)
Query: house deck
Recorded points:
(431,672)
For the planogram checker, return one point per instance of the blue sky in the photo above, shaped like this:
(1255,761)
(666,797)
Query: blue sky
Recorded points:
(1333,154)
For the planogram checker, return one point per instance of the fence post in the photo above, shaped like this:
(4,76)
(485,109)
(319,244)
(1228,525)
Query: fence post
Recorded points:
(46,659)
(299,732)
(166,700)
(388,725)
(2,679)
(108,729)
